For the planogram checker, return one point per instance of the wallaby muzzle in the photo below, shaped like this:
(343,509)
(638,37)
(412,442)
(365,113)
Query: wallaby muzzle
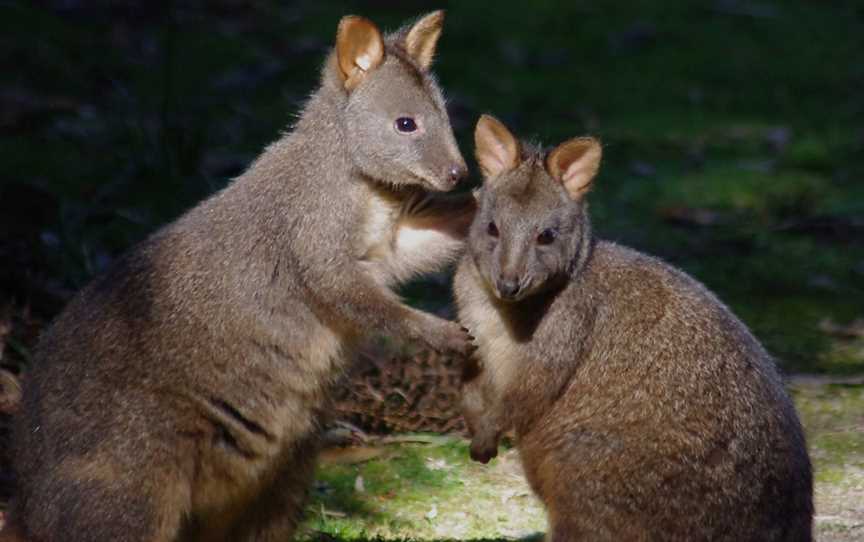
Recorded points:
(449,176)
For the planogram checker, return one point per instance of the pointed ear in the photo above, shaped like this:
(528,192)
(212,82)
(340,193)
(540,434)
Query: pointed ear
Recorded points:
(496,148)
(574,164)
(422,38)
(359,49)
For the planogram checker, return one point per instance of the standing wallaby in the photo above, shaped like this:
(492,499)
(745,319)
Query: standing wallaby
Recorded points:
(179,396)
(643,408)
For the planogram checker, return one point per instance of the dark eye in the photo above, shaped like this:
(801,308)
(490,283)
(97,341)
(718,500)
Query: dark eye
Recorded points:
(406,124)
(546,237)
(492,229)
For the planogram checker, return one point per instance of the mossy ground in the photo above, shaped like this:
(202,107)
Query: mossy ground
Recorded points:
(424,492)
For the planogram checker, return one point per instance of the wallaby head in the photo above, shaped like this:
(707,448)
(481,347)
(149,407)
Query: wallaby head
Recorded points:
(395,124)
(532,228)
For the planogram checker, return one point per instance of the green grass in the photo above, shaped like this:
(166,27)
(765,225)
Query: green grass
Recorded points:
(423,492)
(832,415)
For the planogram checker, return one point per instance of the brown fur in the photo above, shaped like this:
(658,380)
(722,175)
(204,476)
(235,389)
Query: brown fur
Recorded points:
(10,534)
(179,396)
(643,408)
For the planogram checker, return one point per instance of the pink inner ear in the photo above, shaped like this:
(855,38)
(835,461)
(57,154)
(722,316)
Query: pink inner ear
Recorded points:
(497,157)
(359,48)
(497,149)
(578,171)
(500,155)
(575,164)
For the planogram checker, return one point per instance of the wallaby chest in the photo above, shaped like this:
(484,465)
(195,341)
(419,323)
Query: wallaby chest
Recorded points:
(389,245)
(494,336)
(378,220)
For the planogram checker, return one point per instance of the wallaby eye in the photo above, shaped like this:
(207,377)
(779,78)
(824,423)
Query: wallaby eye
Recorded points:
(546,237)
(492,229)
(406,125)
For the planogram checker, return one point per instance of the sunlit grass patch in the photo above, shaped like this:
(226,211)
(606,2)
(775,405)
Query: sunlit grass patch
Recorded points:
(833,417)
(424,492)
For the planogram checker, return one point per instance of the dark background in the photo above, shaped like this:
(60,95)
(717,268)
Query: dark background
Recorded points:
(733,135)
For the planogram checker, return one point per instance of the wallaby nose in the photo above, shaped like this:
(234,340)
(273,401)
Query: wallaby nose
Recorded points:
(457,172)
(507,288)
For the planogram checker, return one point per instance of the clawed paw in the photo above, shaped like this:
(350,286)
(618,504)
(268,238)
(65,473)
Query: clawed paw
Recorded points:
(483,452)
(453,339)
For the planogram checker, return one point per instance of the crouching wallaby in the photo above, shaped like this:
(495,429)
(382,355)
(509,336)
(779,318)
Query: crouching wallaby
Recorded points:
(178,397)
(643,408)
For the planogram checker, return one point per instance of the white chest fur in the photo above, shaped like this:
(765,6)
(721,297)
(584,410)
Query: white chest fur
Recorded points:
(397,241)
(497,347)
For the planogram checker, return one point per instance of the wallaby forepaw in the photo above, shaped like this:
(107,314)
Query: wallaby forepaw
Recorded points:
(482,452)
(453,339)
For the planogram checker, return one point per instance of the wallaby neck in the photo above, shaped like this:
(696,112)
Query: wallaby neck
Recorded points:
(320,129)
(324,111)
(524,316)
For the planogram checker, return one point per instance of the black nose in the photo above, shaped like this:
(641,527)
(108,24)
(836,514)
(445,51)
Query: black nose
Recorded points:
(508,288)
(457,172)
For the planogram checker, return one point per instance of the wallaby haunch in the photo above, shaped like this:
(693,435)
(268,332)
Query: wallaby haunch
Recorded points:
(643,408)
(178,396)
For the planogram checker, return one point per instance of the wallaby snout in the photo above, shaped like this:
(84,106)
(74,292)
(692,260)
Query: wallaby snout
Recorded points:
(457,172)
(447,167)
(512,274)
(508,287)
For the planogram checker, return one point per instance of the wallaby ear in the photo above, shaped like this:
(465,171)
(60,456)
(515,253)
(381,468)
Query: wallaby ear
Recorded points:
(574,164)
(422,38)
(496,148)
(359,49)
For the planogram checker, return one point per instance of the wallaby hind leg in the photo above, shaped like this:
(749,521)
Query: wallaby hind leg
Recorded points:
(275,514)
(94,500)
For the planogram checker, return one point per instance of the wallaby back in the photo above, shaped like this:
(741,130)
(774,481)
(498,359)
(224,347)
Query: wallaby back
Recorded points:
(643,408)
(180,395)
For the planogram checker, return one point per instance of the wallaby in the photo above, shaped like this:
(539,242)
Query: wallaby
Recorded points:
(643,409)
(179,396)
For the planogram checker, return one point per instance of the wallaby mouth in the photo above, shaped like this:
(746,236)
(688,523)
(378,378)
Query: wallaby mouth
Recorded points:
(448,179)
(439,186)
(511,290)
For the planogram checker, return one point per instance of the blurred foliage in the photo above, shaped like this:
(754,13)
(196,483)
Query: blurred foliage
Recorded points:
(732,130)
